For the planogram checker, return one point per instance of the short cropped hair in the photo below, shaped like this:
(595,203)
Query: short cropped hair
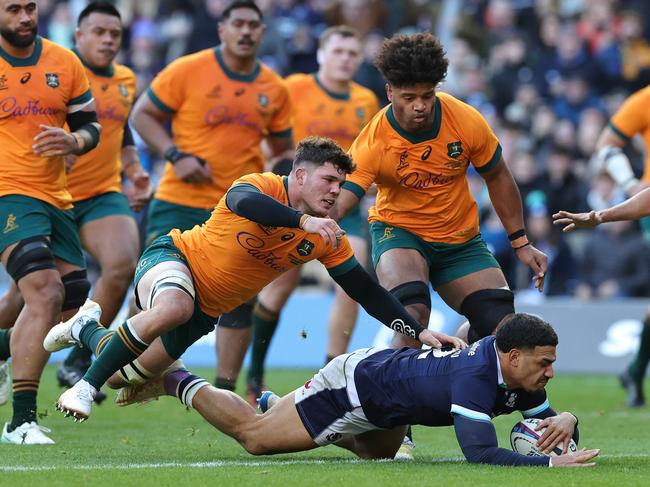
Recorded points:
(241,4)
(406,60)
(524,331)
(319,150)
(101,7)
(344,31)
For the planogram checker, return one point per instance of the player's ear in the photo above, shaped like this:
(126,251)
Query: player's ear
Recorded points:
(320,57)
(301,175)
(389,92)
(514,357)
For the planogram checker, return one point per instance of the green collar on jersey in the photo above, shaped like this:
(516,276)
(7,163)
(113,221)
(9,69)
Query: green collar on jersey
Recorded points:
(337,96)
(246,78)
(422,136)
(107,72)
(18,62)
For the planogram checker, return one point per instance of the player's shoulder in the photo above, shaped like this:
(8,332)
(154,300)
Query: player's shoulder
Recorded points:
(299,80)
(376,134)
(452,104)
(268,75)
(640,97)
(192,62)
(259,179)
(124,73)
(56,54)
(361,92)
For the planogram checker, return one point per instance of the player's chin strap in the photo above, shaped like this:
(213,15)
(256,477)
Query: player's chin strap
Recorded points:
(614,162)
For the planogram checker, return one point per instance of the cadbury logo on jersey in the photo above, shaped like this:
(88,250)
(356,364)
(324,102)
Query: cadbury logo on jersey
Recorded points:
(254,246)
(52,80)
(32,107)
(416,180)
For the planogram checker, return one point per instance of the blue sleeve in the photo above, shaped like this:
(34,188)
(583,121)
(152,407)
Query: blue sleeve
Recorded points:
(478,440)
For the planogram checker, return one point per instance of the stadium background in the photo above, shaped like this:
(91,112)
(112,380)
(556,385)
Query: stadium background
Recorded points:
(546,74)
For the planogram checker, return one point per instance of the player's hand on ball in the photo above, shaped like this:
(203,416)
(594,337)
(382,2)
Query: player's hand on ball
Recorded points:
(578,459)
(571,221)
(190,170)
(326,227)
(54,142)
(438,340)
(559,429)
(537,261)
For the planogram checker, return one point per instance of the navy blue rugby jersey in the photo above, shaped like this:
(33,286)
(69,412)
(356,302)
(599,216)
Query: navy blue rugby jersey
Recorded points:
(410,386)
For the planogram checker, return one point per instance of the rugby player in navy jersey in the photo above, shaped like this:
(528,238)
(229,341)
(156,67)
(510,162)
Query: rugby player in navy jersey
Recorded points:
(362,401)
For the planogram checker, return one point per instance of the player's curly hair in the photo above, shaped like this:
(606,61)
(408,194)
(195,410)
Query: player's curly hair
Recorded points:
(524,331)
(407,60)
(319,150)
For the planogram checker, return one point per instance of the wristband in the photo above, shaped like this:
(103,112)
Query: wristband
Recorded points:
(521,246)
(519,242)
(173,155)
(515,235)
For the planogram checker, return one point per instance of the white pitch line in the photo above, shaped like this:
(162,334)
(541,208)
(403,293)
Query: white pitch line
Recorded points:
(245,463)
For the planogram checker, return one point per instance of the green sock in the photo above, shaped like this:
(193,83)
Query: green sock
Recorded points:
(638,366)
(24,402)
(78,354)
(5,353)
(94,337)
(264,323)
(121,348)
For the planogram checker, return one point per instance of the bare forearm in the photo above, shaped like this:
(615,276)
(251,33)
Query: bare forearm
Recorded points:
(152,131)
(131,162)
(506,199)
(633,208)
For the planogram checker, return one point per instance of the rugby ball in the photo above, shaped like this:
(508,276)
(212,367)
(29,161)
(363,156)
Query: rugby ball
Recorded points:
(523,439)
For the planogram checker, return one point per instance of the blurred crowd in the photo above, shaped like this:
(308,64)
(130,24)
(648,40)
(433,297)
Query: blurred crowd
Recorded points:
(547,74)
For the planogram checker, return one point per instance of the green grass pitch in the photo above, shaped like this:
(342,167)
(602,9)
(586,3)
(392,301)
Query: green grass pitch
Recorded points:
(163,444)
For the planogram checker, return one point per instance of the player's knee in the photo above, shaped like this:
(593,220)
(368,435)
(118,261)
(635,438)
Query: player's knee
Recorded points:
(30,255)
(76,286)
(485,309)
(48,294)
(176,311)
(121,269)
(415,294)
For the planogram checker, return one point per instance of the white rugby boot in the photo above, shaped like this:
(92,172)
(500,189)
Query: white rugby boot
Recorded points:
(27,434)
(77,401)
(66,333)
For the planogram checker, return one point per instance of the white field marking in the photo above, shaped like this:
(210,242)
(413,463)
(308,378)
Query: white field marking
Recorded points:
(244,463)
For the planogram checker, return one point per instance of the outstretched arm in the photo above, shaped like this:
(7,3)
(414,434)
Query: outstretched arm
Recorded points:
(632,208)
(478,440)
(383,306)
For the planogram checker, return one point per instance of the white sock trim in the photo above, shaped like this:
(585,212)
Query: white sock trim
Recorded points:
(191,389)
(129,325)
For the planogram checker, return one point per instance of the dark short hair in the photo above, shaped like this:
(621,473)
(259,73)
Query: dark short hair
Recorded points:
(319,150)
(407,60)
(344,31)
(101,7)
(241,4)
(524,331)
